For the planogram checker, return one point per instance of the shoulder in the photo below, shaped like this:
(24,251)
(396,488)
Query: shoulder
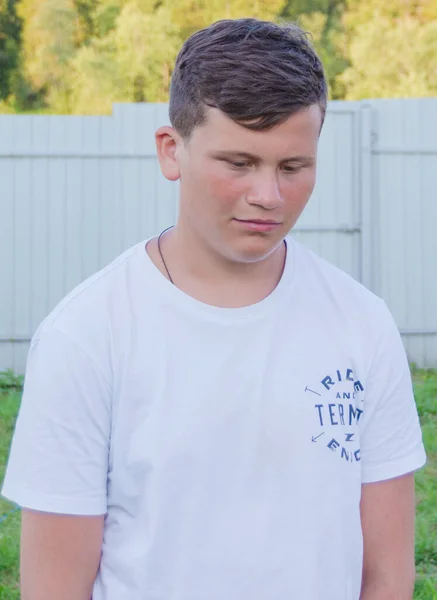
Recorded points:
(85,314)
(337,293)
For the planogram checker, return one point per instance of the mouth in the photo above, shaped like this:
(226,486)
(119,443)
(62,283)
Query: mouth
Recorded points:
(259,221)
(261,225)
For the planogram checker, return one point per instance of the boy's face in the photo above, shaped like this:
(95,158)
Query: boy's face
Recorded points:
(231,176)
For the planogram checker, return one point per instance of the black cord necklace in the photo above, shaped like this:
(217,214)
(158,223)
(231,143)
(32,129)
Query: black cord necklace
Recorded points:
(160,253)
(165,264)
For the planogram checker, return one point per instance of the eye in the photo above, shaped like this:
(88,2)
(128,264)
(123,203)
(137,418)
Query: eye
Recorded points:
(289,169)
(239,164)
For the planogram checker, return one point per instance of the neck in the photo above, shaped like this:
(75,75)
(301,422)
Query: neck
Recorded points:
(213,279)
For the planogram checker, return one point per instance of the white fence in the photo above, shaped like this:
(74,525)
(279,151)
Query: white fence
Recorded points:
(76,191)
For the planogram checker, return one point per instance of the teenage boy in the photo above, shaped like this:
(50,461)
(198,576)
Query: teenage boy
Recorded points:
(219,414)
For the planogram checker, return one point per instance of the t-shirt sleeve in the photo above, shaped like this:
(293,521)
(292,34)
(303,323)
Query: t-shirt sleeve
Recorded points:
(391,436)
(58,459)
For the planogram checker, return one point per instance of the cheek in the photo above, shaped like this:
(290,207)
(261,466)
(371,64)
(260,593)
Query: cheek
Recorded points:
(299,190)
(223,187)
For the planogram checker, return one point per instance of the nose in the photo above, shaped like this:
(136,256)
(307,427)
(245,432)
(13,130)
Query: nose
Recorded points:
(265,191)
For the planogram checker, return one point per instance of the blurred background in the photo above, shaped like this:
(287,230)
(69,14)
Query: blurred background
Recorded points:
(81,56)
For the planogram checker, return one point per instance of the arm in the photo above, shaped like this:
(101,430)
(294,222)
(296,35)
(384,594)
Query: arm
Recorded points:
(60,555)
(387,518)
(58,468)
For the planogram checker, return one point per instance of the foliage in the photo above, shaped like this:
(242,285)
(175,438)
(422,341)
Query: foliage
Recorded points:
(81,56)
(9,525)
(132,63)
(132,57)
(192,15)
(323,20)
(425,389)
(10,30)
(404,33)
(9,381)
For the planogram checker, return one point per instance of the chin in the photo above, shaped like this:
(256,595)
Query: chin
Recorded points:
(255,248)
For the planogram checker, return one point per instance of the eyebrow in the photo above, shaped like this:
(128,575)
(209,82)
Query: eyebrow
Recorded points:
(247,155)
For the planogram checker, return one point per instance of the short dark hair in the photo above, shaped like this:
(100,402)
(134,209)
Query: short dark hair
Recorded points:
(256,72)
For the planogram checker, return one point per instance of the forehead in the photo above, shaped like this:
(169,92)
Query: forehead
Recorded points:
(300,132)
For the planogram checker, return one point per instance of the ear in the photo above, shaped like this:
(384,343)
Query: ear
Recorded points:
(167,141)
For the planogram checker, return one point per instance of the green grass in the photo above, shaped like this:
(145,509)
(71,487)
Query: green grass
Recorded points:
(10,391)
(425,386)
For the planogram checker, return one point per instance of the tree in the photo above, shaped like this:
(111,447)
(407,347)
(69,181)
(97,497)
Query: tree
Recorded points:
(392,60)
(10,30)
(130,64)
(192,15)
(392,49)
(85,10)
(106,15)
(81,56)
(133,61)
(323,20)
(51,36)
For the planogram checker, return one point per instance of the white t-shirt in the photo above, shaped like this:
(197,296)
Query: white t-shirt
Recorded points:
(227,447)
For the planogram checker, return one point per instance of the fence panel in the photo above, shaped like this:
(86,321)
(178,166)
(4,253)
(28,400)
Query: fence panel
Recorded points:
(404,164)
(330,223)
(77,191)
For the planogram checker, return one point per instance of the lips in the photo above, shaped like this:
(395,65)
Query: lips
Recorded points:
(259,221)
(258,225)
